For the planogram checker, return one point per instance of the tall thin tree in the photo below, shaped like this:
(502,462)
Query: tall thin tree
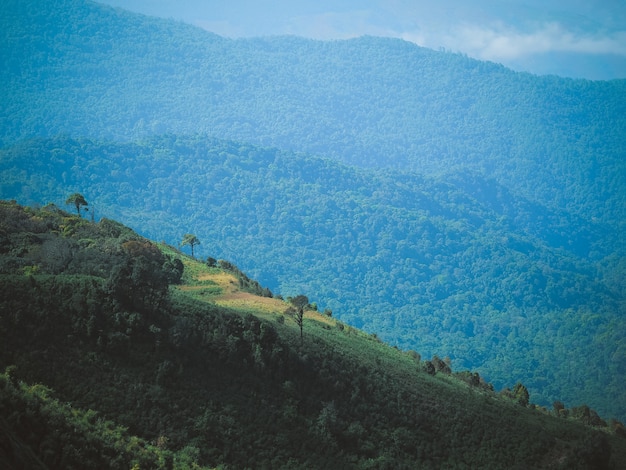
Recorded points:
(300,302)
(191,240)
(78,200)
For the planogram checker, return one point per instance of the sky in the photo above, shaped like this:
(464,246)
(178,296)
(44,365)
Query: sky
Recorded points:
(574,38)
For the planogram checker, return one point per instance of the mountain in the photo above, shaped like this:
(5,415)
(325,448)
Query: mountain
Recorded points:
(449,205)
(121,352)
(575,40)
(87,70)
(452,267)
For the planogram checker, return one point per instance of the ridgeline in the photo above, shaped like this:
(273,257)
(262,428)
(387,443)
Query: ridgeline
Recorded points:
(430,201)
(122,352)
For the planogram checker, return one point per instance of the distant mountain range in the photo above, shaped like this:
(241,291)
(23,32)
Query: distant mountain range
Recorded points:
(548,37)
(451,206)
(87,70)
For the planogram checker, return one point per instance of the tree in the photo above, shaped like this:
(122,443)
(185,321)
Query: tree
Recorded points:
(559,409)
(441,365)
(588,416)
(520,394)
(299,302)
(141,277)
(429,368)
(78,200)
(190,240)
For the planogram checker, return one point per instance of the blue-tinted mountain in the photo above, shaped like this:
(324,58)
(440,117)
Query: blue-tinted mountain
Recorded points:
(83,69)
(441,202)
(453,266)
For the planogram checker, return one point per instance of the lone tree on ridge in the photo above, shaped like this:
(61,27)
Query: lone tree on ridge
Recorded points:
(190,240)
(300,303)
(78,200)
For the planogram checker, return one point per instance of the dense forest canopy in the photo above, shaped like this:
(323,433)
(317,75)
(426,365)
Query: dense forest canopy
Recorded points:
(547,37)
(84,69)
(447,204)
(453,266)
(148,363)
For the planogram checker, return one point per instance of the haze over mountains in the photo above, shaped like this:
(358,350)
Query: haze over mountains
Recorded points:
(452,206)
(574,39)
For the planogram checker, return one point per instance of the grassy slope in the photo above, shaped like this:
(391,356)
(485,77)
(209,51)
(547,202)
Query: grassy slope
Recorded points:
(221,376)
(442,394)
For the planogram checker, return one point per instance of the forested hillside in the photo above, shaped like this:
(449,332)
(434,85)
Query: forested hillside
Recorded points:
(75,67)
(449,205)
(451,266)
(119,352)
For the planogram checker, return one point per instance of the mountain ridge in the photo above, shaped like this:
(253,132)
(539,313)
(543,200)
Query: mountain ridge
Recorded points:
(195,383)
(476,212)
(440,274)
(367,101)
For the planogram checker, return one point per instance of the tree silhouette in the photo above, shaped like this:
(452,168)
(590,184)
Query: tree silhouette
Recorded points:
(520,394)
(190,240)
(299,302)
(78,200)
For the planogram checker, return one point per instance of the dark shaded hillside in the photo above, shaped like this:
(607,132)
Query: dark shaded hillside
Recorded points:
(83,69)
(194,382)
(450,267)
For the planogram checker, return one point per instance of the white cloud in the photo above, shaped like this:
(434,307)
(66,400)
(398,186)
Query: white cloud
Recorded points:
(577,38)
(501,43)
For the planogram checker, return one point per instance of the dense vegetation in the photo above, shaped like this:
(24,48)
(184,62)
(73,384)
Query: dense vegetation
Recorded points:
(452,267)
(172,381)
(40,432)
(82,69)
(482,216)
